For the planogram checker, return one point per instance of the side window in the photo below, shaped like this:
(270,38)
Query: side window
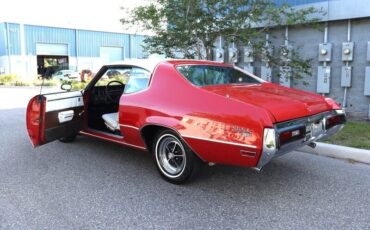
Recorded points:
(138,80)
(114,74)
(203,75)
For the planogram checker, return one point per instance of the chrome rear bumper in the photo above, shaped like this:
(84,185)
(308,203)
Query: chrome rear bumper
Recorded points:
(316,129)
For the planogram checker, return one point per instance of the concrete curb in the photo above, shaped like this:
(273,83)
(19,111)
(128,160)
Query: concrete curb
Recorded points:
(341,152)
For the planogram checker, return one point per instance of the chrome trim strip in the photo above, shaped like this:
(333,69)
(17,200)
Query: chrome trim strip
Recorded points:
(129,126)
(118,142)
(222,142)
(245,153)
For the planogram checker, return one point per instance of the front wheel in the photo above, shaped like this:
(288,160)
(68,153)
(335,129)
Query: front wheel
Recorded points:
(174,159)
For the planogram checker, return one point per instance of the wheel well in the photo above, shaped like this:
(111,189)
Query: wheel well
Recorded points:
(148,133)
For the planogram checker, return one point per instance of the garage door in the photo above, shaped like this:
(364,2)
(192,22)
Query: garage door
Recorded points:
(111,54)
(52,49)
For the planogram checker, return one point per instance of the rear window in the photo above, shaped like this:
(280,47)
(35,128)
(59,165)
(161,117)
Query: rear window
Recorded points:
(203,75)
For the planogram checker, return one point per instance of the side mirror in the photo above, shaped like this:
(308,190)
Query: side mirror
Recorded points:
(66,86)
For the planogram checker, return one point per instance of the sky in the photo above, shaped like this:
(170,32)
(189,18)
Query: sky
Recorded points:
(83,14)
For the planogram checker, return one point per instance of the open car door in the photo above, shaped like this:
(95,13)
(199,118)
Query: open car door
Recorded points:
(53,116)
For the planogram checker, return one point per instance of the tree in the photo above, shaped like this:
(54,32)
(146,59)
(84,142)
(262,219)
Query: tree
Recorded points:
(191,27)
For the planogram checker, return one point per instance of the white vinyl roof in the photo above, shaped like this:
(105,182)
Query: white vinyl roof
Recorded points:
(148,64)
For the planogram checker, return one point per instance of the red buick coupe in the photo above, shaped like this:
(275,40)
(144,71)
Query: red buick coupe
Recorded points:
(185,113)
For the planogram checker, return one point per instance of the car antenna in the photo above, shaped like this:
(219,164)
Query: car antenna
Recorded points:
(42,84)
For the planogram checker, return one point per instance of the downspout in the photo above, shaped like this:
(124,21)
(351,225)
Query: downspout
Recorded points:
(129,48)
(76,47)
(286,36)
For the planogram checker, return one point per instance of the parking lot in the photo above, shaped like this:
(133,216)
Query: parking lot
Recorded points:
(91,184)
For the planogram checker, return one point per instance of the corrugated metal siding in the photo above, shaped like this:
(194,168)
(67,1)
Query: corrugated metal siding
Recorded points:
(297,2)
(136,46)
(14,39)
(89,42)
(2,40)
(51,35)
(10,30)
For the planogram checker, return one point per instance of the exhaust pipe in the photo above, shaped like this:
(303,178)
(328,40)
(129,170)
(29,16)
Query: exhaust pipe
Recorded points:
(312,145)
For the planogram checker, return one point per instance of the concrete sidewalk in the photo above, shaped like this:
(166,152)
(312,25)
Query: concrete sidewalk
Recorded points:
(341,152)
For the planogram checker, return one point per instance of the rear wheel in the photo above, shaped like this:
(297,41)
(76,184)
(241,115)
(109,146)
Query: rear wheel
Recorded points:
(174,159)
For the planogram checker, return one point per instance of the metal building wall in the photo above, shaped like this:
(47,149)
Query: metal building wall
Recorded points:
(89,42)
(9,39)
(14,38)
(50,35)
(307,40)
(2,39)
(296,2)
(136,49)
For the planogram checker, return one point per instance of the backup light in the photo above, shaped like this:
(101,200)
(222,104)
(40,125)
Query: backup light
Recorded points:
(269,138)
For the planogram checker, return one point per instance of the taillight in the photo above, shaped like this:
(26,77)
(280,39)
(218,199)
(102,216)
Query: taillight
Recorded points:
(292,135)
(335,120)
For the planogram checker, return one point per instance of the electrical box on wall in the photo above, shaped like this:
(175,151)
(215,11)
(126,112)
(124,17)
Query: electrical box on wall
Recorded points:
(266,73)
(367,82)
(325,50)
(218,55)
(346,76)
(267,51)
(249,68)
(323,79)
(347,51)
(233,55)
(368,51)
(285,76)
(286,53)
(248,55)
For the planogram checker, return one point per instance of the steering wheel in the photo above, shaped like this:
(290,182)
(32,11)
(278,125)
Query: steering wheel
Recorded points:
(112,95)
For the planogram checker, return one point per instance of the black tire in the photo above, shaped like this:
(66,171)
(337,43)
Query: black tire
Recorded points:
(68,139)
(175,161)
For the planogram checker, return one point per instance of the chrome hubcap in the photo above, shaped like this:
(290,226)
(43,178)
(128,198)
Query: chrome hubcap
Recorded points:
(170,155)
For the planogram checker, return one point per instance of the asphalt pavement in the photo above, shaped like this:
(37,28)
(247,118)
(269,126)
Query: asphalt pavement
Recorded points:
(91,184)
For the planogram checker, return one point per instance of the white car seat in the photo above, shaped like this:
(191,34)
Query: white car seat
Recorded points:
(111,121)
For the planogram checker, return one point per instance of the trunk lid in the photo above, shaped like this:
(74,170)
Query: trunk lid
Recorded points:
(282,102)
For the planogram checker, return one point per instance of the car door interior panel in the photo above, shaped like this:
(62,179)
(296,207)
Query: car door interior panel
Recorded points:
(63,115)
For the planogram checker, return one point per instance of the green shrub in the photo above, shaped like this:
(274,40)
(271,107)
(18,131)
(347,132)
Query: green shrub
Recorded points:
(8,79)
(76,85)
(21,83)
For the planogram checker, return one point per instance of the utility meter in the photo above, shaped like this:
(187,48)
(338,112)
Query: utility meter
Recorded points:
(323,79)
(266,73)
(267,51)
(218,55)
(346,76)
(286,53)
(325,51)
(347,51)
(233,55)
(248,54)
(285,76)
(367,81)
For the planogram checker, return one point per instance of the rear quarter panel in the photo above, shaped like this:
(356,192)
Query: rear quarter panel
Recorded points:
(218,129)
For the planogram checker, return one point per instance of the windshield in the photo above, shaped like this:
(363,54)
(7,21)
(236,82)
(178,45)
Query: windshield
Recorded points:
(203,75)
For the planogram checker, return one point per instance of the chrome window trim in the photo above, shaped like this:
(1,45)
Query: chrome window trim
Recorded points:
(219,141)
